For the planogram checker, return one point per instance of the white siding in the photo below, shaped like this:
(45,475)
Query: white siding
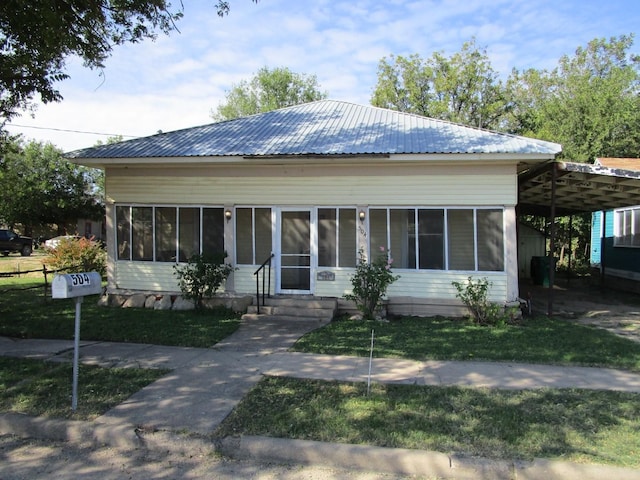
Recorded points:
(361,185)
(438,284)
(278,185)
(149,276)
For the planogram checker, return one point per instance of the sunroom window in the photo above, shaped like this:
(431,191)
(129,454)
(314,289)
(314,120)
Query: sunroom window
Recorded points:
(337,237)
(168,233)
(461,239)
(253,235)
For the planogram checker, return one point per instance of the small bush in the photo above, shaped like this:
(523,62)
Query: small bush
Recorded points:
(201,276)
(78,255)
(370,283)
(475,297)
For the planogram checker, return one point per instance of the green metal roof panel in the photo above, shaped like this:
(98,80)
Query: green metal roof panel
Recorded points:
(325,127)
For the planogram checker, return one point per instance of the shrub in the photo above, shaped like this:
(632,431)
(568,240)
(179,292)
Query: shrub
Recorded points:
(370,283)
(201,276)
(78,255)
(475,297)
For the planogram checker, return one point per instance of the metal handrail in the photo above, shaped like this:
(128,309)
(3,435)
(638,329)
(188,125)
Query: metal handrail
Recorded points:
(262,268)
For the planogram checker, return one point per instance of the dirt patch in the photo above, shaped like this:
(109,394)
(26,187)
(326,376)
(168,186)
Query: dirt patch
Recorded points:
(588,304)
(35,460)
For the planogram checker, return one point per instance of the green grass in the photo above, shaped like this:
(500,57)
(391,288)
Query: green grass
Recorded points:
(575,425)
(38,388)
(535,340)
(28,314)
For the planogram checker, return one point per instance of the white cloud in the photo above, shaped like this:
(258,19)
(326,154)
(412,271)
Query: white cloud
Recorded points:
(175,81)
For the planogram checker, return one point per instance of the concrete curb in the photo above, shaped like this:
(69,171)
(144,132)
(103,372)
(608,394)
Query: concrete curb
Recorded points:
(397,461)
(71,431)
(401,461)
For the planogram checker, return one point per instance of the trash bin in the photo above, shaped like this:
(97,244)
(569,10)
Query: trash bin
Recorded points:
(540,270)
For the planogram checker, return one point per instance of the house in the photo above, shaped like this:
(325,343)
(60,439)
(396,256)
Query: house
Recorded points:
(314,185)
(615,236)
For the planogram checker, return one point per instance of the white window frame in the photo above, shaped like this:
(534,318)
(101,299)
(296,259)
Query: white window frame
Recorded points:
(626,227)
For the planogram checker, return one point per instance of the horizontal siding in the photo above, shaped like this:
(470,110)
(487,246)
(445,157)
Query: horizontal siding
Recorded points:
(244,281)
(146,276)
(438,284)
(337,288)
(310,186)
(424,284)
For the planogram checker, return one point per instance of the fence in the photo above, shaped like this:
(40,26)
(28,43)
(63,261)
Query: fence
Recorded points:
(45,273)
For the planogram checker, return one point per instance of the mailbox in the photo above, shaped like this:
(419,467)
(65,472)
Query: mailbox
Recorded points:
(71,285)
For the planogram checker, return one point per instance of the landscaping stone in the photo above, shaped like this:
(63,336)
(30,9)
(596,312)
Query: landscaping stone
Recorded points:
(137,300)
(150,301)
(116,300)
(182,303)
(237,304)
(164,303)
(103,301)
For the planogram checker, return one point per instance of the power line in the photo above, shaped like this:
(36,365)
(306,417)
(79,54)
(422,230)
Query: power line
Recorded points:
(71,131)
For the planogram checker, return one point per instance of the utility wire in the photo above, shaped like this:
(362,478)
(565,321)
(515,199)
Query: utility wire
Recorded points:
(71,131)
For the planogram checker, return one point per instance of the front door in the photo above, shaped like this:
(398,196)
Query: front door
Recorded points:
(295,252)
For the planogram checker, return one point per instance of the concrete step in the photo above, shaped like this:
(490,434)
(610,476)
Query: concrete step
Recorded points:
(288,308)
(297,302)
(292,311)
(283,318)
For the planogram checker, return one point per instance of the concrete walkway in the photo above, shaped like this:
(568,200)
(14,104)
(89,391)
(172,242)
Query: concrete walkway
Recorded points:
(205,384)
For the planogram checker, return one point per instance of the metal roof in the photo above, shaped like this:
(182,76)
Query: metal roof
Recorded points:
(579,187)
(325,127)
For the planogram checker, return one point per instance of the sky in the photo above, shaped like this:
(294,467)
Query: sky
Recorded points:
(176,81)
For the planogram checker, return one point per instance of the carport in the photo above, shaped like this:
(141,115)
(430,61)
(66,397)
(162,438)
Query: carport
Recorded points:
(558,189)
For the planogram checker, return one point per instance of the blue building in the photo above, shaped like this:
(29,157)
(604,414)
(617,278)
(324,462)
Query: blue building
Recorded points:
(615,236)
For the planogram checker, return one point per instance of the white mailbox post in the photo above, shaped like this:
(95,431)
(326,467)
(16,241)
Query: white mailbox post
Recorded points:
(76,286)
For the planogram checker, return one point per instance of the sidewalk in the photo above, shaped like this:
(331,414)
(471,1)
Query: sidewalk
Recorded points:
(205,385)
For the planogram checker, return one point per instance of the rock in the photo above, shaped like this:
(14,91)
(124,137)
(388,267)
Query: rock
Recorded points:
(150,301)
(240,304)
(164,303)
(137,300)
(237,304)
(182,303)
(103,301)
(116,300)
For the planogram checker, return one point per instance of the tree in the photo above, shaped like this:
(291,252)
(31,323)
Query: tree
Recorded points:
(39,187)
(36,38)
(268,90)
(590,103)
(463,88)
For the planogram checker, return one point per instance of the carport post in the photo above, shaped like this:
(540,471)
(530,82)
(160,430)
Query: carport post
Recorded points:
(603,244)
(552,240)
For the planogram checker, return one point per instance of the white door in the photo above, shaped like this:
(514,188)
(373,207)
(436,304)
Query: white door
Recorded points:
(295,251)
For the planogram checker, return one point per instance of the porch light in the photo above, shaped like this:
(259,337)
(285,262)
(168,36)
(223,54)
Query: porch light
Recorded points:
(362,215)
(227,214)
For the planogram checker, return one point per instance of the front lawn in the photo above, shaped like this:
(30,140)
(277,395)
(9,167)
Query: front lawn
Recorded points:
(28,314)
(535,340)
(38,388)
(574,425)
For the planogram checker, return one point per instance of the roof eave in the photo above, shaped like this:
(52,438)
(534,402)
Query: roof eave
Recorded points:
(317,158)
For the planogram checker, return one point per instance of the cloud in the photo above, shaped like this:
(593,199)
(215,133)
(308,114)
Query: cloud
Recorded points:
(175,81)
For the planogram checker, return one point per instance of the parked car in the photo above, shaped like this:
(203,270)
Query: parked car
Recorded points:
(10,241)
(55,241)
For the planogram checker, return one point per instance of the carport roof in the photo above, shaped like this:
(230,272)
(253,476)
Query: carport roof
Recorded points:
(579,187)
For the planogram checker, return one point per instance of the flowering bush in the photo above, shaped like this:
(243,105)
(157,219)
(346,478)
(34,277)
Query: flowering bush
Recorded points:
(370,283)
(74,256)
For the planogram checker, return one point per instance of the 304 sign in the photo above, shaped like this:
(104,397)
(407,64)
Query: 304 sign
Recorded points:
(72,285)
